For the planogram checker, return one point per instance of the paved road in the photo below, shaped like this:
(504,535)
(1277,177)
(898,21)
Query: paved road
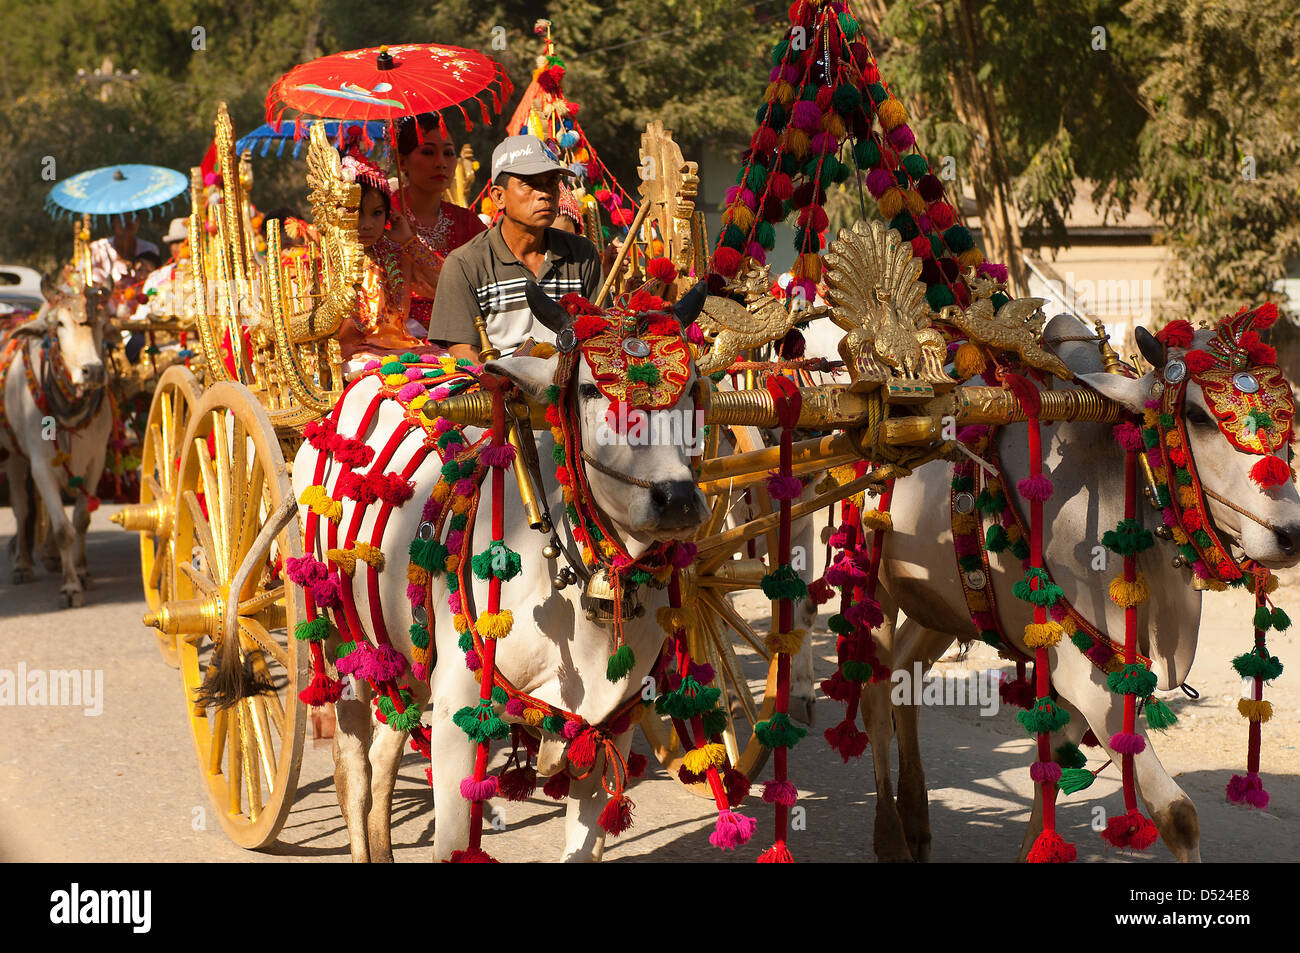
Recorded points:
(123,784)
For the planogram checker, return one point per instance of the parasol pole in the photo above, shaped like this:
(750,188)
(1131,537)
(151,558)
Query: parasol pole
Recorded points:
(632,231)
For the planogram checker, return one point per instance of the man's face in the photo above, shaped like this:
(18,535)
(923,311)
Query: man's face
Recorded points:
(529,200)
(175,248)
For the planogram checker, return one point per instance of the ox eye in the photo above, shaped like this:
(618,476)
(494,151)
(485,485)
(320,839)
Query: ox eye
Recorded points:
(588,391)
(1198,418)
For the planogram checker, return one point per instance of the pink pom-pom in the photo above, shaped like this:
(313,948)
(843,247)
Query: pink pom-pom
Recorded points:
(502,456)
(825,142)
(1044,772)
(757,252)
(415,593)
(472,661)
(880,181)
(695,334)
(430,511)
(464,487)
(420,672)
(990,269)
(440,392)
(1128,436)
(414,373)
(411,391)
(702,672)
(442,425)
(1099,654)
(1248,789)
(472,790)
(373,365)
(966,545)
(747,199)
(732,194)
(780,792)
(383,664)
(354,660)
(326,593)
(455,539)
(684,554)
(902,137)
(515,707)
(783,487)
(1036,488)
(865,613)
(806,115)
(1123,742)
(454,603)
(572,728)
(1059,612)
(733,830)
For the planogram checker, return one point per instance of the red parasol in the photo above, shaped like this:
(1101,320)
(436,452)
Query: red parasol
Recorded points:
(389,82)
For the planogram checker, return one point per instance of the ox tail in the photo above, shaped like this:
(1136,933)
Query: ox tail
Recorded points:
(233,678)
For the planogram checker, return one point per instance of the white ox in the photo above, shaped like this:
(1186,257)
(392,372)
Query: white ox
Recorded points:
(918,576)
(63,348)
(554,653)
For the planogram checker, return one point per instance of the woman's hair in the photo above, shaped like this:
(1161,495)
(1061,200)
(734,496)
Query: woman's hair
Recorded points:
(408,138)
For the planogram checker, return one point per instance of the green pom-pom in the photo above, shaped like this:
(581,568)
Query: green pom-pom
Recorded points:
(313,630)
(689,699)
(765,235)
(429,554)
(939,296)
(995,540)
(1159,715)
(497,560)
(916,165)
(1257,663)
(1166,420)
(458,521)
(1045,716)
(778,732)
(715,722)
(620,663)
(1020,549)
(409,358)
(644,372)
(848,25)
(1262,419)
(958,239)
(1047,594)
(499,695)
(856,671)
(839,625)
(785,583)
(433,374)
(1263,618)
(466,641)
(552,393)
(1082,640)
(1183,476)
(877,93)
(405,720)
(345,649)
(393,367)
(905,225)
(846,98)
(757,178)
(733,237)
(419,635)
(778,52)
(964,483)
(991,637)
(553,723)
(387,708)
(867,153)
(480,723)
(790,166)
(1128,538)
(1069,756)
(1281,621)
(450,436)
(1074,780)
(970,563)
(453,582)
(1132,680)
(451,471)
(1150,438)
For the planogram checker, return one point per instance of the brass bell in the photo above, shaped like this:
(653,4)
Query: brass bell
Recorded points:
(558,580)
(546,526)
(1179,561)
(552,549)
(1164,532)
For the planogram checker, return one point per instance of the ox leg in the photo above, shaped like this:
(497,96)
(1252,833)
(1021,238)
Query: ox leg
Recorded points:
(81,523)
(889,839)
(1172,811)
(452,759)
(24,518)
(803,697)
(913,643)
(385,758)
(584,838)
(61,531)
(352,768)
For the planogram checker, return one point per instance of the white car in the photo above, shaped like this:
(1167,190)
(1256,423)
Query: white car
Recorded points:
(20,289)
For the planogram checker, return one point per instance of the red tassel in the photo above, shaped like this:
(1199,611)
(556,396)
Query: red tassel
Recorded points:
(846,739)
(1051,848)
(1130,830)
(1018,692)
(582,750)
(475,855)
(737,786)
(1176,333)
(1198,361)
(778,853)
(786,397)
(1270,471)
(323,690)
(557,786)
(1025,392)
(617,815)
(517,784)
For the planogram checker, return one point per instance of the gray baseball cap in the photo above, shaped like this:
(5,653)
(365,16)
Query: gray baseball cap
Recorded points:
(525,155)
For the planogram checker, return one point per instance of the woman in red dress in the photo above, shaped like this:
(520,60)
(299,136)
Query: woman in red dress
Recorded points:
(428,162)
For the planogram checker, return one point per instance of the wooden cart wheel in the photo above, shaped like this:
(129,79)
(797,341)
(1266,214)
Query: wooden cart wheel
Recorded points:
(232,478)
(724,639)
(173,402)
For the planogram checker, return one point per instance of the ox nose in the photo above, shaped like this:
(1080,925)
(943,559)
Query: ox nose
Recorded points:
(1288,537)
(93,373)
(676,504)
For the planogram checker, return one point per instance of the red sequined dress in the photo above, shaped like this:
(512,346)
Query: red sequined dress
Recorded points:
(454,227)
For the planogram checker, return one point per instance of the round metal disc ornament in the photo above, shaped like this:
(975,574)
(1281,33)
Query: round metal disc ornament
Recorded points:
(425,531)
(963,502)
(566,340)
(976,579)
(1246,383)
(635,347)
(419,615)
(1175,371)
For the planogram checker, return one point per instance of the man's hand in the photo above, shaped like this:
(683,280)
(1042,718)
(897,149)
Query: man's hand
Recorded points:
(610,253)
(466,351)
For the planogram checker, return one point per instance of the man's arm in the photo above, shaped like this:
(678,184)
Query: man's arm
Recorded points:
(591,272)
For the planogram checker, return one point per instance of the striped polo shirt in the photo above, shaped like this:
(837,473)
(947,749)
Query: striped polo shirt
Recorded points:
(483,277)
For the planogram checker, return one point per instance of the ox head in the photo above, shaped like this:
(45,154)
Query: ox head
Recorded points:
(629,388)
(71,320)
(1221,389)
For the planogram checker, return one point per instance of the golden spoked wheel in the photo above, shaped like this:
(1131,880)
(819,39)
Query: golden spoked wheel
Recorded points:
(233,478)
(154,516)
(743,667)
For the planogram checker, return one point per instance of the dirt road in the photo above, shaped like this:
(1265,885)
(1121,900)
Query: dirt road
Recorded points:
(123,785)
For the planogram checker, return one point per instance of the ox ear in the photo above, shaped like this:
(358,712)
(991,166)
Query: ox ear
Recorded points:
(545,309)
(1151,349)
(533,375)
(688,306)
(1130,393)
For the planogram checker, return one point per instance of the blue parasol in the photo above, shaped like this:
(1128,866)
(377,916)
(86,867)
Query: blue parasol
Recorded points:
(117,190)
(266,136)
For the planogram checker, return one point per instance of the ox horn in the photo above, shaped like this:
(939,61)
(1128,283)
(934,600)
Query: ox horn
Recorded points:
(545,309)
(1151,349)
(688,306)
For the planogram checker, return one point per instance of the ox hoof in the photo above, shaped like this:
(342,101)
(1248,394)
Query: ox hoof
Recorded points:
(20,576)
(87,580)
(803,710)
(73,600)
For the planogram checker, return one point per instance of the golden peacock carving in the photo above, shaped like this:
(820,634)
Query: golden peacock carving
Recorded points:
(876,296)
(731,327)
(1017,327)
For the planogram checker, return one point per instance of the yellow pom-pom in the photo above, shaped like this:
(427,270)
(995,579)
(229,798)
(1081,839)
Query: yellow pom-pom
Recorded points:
(739,215)
(1043,634)
(396,380)
(419,656)
(451,563)
(1014,533)
(784,93)
(418,401)
(607,549)
(448,364)
(796,142)
(1128,594)
(459,622)
(891,114)
(963,524)
(1255,709)
(1173,439)
(807,266)
(701,759)
(1186,496)
(878,520)
(557,434)
(671,619)
(441,492)
(915,204)
(971,258)
(891,203)
(969,361)
(533,716)
(1180,535)
(1149,417)
(495,625)
(461,504)
(832,123)
(417,574)
(345,559)
(786,643)
(371,555)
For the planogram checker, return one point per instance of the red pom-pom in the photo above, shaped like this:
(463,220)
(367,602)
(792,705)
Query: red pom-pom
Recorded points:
(1270,471)
(779,186)
(1192,520)
(617,815)
(1130,830)
(1198,361)
(941,215)
(576,304)
(764,139)
(921,247)
(726,262)
(476,856)
(661,269)
(588,326)
(1265,316)
(636,765)
(1176,334)
(1051,848)
(557,786)
(814,217)
(736,784)
(517,784)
